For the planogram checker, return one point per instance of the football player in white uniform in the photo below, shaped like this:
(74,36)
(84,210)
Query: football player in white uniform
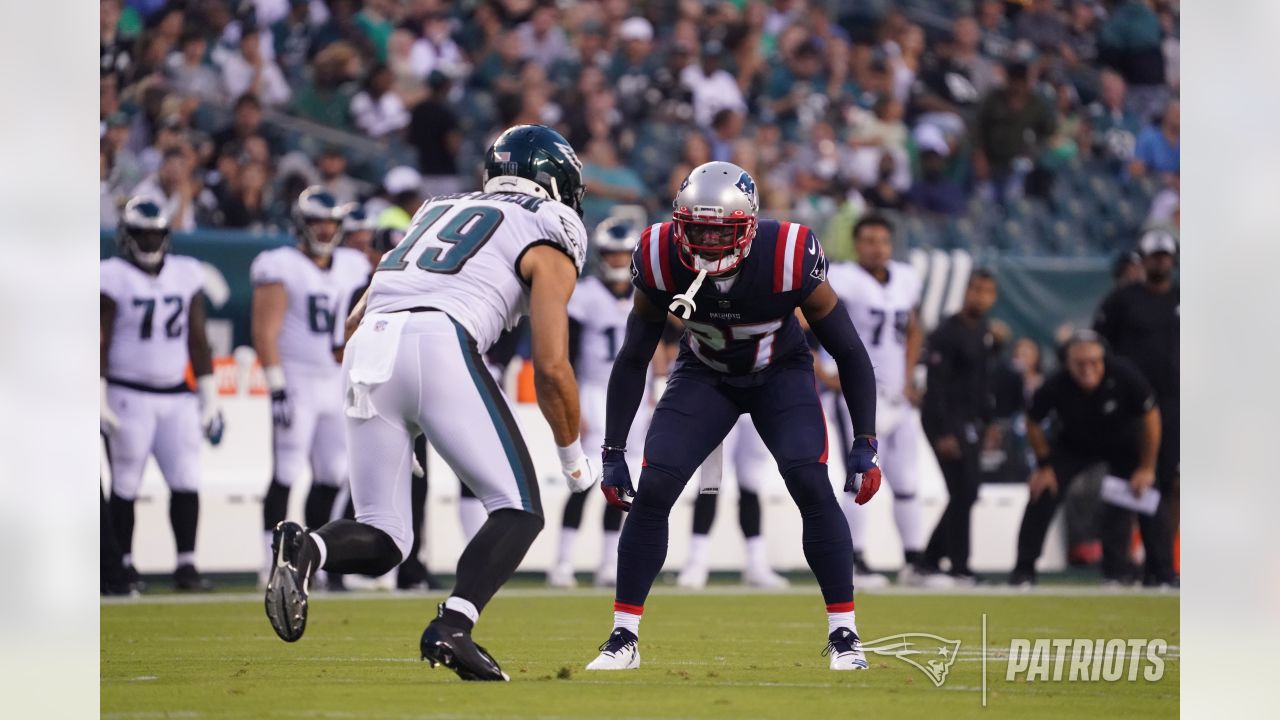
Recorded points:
(882,295)
(471,265)
(152,325)
(598,321)
(298,292)
(750,457)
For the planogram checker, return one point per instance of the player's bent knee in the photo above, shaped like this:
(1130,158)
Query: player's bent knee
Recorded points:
(808,484)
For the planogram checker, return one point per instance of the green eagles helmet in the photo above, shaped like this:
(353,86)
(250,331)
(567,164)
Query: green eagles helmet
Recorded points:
(542,157)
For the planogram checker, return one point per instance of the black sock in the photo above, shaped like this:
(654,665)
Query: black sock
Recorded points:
(122,521)
(453,618)
(319,505)
(275,505)
(573,510)
(353,547)
(749,513)
(704,514)
(184,514)
(493,555)
(913,557)
(825,537)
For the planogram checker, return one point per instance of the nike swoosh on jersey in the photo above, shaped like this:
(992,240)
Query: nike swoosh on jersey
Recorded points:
(813,247)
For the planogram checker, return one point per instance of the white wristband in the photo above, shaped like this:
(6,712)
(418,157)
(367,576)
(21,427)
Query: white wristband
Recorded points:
(570,454)
(208,387)
(274,376)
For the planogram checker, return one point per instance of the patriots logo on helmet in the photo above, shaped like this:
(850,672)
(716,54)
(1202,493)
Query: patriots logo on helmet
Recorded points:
(746,185)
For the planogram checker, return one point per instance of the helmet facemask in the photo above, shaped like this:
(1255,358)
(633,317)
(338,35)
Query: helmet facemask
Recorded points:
(713,243)
(147,247)
(313,232)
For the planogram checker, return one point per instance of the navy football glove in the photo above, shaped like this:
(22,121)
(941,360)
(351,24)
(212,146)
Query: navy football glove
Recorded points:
(615,478)
(863,475)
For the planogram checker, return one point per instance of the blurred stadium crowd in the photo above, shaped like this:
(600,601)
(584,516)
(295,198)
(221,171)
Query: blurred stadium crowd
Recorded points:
(1041,127)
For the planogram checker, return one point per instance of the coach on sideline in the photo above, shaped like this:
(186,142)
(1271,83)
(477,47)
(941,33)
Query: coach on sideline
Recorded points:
(1102,411)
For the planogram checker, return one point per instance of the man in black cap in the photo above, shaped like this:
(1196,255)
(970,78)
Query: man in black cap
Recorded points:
(1102,411)
(1141,322)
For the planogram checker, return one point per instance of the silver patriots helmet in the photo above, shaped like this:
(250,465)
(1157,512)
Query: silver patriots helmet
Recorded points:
(143,233)
(715,217)
(316,205)
(616,235)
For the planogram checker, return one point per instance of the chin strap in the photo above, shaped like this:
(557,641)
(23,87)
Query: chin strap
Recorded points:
(683,305)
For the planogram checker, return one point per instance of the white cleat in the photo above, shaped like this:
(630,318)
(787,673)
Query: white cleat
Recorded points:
(911,576)
(764,578)
(561,576)
(845,650)
(620,652)
(606,576)
(693,577)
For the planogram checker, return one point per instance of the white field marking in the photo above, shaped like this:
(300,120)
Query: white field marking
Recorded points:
(718,591)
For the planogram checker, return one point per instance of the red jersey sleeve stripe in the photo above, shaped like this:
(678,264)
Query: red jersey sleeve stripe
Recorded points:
(779,255)
(646,272)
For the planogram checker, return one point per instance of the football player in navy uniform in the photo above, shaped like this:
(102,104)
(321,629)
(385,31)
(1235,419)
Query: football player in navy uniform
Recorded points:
(743,352)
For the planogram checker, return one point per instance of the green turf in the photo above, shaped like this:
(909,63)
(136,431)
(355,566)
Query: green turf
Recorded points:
(734,656)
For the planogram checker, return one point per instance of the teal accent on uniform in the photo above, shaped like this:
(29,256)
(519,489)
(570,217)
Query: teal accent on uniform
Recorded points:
(499,425)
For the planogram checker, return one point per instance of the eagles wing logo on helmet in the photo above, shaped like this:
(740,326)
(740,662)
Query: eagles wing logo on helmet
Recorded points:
(571,155)
(747,186)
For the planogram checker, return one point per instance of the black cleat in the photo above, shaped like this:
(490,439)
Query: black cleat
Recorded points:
(286,598)
(136,585)
(1022,579)
(452,647)
(187,579)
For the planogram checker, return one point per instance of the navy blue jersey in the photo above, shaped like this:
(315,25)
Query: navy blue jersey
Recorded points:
(742,324)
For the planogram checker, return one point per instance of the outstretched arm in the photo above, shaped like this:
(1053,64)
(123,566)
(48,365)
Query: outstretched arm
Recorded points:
(645,326)
(830,322)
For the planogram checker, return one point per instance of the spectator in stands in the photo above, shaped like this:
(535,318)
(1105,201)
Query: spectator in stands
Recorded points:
(1157,153)
(1040,25)
(172,188)
(714,88)
(726,127)
(542,40)
(951,84)
(171,132)
(1080,49)
(246,122)
(633,66)
(376,109)
(109,202)
(435,50)
(1127,270)
(965,55)
(434,132)
(248,205)
(114,54)
(1113,127)
(792,92)
(997,33)
(291,40)
(1104,412)
(376,20)
(250,71)
(611,183)
(693,153)
(499,71)
(1129,41)
(188,74)
(1013,126)
(875,135)
(403,186)
(332,165)
(341,27)
(127,169)
(884,194)
(326,97)
(934,192)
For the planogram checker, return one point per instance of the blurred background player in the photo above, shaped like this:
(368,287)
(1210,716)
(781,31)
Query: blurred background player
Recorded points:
(750,457)
(1141,322)
(597,323)
(743,353)
(298,291)
(152,325)
(955,412)
(882,295)
(471,265)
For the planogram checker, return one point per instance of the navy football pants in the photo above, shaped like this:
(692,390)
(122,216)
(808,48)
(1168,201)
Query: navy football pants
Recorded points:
(695,413)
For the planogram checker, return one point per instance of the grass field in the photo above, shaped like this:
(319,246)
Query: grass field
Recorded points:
(728,653)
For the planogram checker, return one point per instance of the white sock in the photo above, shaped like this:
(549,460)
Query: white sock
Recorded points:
(126,559)
(627,620)
(609,548)
(465,607)
(266,537)
(564,555)
(186,558)
(757,558)
(906,515)
(837,620)
(472,514)
(324,551)
(698,547)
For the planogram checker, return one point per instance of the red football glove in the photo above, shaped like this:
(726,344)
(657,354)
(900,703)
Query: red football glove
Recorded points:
(863,477)
(615,480)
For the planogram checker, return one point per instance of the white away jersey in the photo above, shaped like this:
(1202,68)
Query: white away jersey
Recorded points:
(603,317)
(313,326)
(880,312)
(461,255)
(149,337)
